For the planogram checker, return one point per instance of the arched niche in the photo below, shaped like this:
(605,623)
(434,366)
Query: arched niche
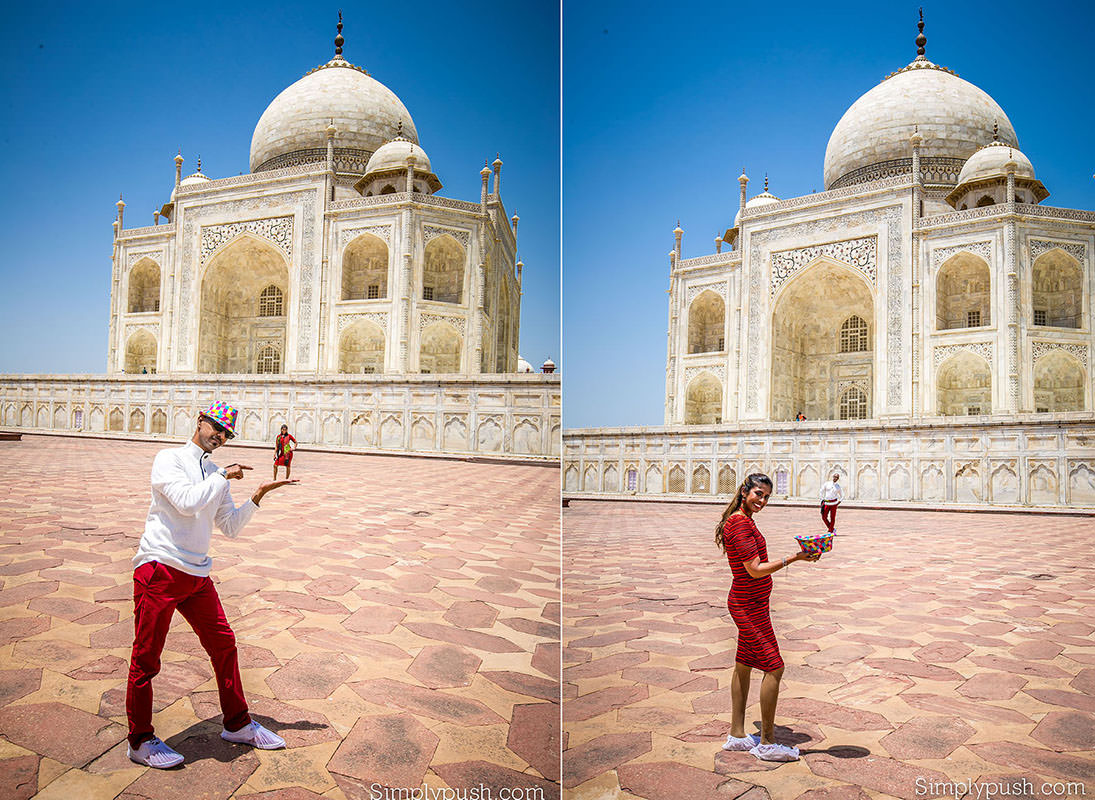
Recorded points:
(440,350)
(361,348)
(236,323)
(140,352)
(707,323)
(1058,383)
(268,361)
(365,269)
(854,404)
(809,326)
(1057,290)
(144,287)
(962,291)
(703,400)
(443,270)
(963,385)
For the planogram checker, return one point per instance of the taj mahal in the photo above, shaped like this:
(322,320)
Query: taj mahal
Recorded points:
(927,314)
(332,288)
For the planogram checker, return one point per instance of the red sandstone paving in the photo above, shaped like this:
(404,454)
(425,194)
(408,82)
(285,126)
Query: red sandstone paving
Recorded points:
(341,569)
(932,661)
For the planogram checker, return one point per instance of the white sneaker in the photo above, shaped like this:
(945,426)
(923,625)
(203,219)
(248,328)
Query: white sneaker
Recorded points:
(154,753)
(256,736)
(744,743)
(775,752)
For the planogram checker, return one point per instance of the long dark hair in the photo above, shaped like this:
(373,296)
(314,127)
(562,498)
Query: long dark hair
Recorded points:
(754,480)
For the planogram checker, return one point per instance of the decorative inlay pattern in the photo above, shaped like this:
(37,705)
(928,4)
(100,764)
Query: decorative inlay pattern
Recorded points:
(983,349)
(718,288)
(860,383)
(714,259)
(981,249)
(276,230)
(859,253)
(383,232)
(1075,249)
(431,231)
(718,370)
(1039,349)
(149,230)
(425,320)
(133,327)
(379,317)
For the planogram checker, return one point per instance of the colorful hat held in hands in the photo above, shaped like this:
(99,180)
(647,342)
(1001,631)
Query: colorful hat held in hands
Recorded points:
(224,415)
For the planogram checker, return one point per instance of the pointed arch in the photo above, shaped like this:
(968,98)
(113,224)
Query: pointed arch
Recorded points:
(144,287)
(361,348)
(703,400)
(1059,383)
(707,323)
(963,385)
(1057,290)
(140,352)
(441,349)
(443,270)
(365,267)
(962,291)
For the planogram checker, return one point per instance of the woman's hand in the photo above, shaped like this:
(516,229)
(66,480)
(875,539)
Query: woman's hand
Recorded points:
(802,555)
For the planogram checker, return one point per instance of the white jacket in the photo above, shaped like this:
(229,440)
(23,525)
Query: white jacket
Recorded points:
(832,492)
(189,495)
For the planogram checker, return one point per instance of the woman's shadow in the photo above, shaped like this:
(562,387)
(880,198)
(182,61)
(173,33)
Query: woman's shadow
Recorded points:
(202,740)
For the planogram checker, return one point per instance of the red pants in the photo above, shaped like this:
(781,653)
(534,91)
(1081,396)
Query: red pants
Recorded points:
(157,591)
(828,515)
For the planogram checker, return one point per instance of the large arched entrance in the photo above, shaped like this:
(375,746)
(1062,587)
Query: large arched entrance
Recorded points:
(365,269)
(1057,290)
(962,292)
(707,324)
(144,287)
(244,306)
(443,270)
(822,340)
(963,385)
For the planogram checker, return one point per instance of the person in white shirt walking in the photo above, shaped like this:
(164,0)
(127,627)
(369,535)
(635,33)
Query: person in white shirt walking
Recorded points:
(831,495)
(171,571)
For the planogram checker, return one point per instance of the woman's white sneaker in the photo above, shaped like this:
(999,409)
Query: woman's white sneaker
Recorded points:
(256,736)
(154,753)
(775,752)
(744,743)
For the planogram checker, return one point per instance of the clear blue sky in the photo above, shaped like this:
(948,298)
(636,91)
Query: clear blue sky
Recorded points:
(665,103)
(97,98)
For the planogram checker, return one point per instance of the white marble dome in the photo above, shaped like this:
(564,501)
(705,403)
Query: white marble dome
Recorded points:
(765,198)
(990,161)
(194,180)
(365,112)
(394,155)
(953,116)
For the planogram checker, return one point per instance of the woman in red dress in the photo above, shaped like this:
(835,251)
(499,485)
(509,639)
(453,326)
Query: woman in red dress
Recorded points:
(745,548)
(283,451)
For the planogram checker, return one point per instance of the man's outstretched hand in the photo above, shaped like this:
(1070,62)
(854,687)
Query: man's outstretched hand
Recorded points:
(269,487)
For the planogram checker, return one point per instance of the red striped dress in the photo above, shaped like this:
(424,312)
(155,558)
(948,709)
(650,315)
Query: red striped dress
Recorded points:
(748,598)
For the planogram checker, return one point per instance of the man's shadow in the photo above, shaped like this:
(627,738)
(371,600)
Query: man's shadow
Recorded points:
(202,740)
(783,734)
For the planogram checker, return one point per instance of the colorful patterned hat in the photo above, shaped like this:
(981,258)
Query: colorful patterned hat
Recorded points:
(223,414)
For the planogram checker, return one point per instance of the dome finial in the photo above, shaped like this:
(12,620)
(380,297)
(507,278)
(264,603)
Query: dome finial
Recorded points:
(921,39)
(199,163)
(765,181)
(339,41)
(996,130)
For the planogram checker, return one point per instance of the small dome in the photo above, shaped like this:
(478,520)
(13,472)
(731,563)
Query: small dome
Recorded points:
(365,112)
(394,155)
(523,366)
(990,160)
(548,366)
(765,199)
(193,180)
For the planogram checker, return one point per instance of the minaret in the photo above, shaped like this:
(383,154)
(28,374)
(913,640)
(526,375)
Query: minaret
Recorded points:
(917,210)
(743,179)
(515,219)
(677,234)
(718,244)
(485,175)
(121,211)
(178,168)
(497,174)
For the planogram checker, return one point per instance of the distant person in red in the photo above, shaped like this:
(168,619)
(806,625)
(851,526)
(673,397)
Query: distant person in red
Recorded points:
(831,495)
(745,548)
(283,451)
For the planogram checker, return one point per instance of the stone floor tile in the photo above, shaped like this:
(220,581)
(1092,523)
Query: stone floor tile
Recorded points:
(1058,697)
(13,630)
(886,775)
(473,639)
(926,737)
(393,750)
(59,732)
(601,701)
(374,620)
(467,775)
(534,736)
(16,683)
(432,703)
(524,683)
(19,777)
(445,666)
(1076,767)
(992,686)
(666,780)
(1067,731)
(606,752)
(218,767)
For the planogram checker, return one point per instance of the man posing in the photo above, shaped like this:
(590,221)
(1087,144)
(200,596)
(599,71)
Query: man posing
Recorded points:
(831,495)
(189,494)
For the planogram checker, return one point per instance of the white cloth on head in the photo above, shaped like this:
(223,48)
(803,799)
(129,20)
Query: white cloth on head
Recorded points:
(189,496)
(832,492)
